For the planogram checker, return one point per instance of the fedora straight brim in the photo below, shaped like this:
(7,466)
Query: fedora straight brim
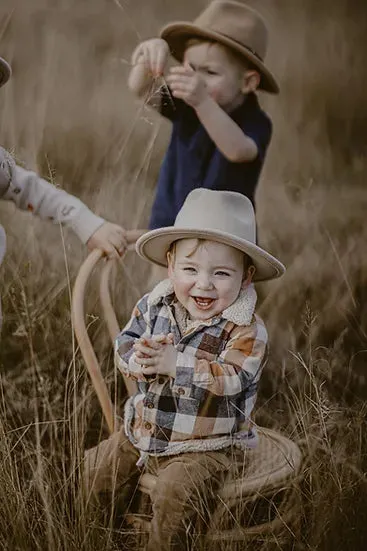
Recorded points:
(154,245)
(177,34)
(5,71)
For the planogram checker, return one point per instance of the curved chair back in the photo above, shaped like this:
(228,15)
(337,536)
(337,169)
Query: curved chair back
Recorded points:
(81,332)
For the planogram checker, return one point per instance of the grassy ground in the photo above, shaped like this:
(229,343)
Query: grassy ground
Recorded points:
(68,114)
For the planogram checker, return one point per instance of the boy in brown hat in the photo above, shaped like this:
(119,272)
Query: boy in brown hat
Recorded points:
(195,347)
(220,134)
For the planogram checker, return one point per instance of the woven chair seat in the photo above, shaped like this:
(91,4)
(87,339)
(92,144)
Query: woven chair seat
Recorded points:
(271,464)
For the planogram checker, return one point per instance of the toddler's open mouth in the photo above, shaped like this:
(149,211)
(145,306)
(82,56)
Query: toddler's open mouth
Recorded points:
(204,303)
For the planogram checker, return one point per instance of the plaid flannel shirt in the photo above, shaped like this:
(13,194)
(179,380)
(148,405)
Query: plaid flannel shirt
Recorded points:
(219,363)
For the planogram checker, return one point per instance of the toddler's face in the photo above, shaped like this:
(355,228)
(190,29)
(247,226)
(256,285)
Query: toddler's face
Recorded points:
(222,73)
(207,277)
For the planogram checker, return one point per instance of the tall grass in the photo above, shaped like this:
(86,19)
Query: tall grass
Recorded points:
(67,113)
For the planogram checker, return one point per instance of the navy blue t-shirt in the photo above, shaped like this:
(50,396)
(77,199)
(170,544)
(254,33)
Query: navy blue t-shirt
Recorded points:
(192,159)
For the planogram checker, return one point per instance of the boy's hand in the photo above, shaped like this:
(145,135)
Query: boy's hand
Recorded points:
(154,54)
(156,355)
(110,238)
(187,85)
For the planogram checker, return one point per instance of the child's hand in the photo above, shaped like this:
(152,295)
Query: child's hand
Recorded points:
(187,85)
(156,355)
(154,54)
(110,238)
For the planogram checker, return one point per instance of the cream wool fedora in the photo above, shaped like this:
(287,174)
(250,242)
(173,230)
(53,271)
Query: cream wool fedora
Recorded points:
(5,71)
(230,23)
(224,216)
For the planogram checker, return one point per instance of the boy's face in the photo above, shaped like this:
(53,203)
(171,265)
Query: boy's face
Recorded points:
(226,78)
(207,278)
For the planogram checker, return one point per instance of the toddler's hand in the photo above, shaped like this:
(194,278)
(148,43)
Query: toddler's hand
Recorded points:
(187,85)
(154,54)
(156,355)
(110,238)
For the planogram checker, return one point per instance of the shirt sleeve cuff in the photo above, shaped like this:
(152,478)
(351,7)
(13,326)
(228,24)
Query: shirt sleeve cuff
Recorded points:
(85,224)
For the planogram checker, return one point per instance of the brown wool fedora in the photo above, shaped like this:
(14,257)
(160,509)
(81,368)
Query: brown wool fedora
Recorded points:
(5,71)
(230,23)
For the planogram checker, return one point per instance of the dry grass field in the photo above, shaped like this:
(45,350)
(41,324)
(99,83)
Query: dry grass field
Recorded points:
(68,114)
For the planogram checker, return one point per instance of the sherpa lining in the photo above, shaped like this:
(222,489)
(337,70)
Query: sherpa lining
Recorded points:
(240,312)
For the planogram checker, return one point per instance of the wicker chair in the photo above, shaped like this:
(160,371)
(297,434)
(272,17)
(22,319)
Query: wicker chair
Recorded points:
(260,505)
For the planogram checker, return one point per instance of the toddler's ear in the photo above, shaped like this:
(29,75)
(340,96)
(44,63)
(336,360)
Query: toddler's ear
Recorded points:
(250,81)
(247,277)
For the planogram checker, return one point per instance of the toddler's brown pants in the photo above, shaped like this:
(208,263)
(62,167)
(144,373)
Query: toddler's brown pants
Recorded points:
(184,491)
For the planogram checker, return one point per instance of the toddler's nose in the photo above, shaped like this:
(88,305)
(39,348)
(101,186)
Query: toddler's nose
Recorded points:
(204,282)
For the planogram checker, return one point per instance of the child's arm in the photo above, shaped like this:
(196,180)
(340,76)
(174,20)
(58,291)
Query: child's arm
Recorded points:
(229,138)
(30,192)
(148,60)
(238,367)
(234,371)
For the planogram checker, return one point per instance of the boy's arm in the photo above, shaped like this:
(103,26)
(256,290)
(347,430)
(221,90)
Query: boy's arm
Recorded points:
(138,326)
(229,138)
(237,368)
(30,192)
(227,135)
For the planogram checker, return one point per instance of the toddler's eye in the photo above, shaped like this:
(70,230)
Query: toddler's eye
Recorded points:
(189,270)
(211,72)
(221,274)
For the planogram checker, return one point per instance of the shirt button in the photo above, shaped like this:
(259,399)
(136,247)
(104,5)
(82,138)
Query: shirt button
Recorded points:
(180,391)
(150,405)
(147,425)
(161,380)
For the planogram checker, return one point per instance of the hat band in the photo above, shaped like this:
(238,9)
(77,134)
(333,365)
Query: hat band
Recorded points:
(241,44)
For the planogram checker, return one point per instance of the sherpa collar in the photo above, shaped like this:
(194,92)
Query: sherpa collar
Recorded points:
(240,312)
